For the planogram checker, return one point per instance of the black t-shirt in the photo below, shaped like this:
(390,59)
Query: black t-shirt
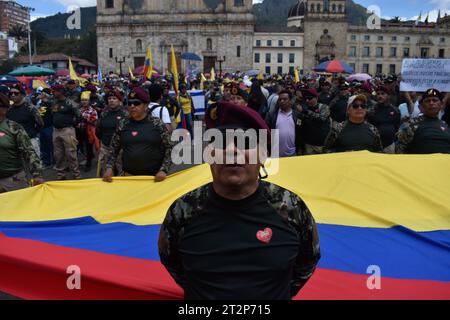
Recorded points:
(356,137)
(431,136)
(141,145)
(22,115)
(108,124)
(338,112)
(386,119)
(64,114)
(223,261)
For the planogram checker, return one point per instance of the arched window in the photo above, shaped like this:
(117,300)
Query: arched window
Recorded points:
(208,44)
(318,7)
(326,5)
(312,7)
(341,8)
(333,7)
(138,45)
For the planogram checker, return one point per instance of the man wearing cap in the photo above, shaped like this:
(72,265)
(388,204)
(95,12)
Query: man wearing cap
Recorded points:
(106,127)
(338,106)
(66,116)
(325,95)
(239,237)
(143,140)
(234,94)
(16,152)
(26,115)
(386,118)
(354,134)
(427,133)
(316,122)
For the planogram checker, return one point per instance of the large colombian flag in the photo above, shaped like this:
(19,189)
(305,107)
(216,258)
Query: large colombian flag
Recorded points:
(388,211)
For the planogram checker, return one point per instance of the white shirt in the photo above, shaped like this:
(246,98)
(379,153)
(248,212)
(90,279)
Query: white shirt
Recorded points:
(404,112)
(157,111)
(286,126)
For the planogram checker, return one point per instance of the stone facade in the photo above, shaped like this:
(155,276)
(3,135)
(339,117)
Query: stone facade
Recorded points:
(225,30)
(130,26)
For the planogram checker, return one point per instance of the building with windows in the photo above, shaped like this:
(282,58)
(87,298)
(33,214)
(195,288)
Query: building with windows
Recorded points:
(215,30)
(12,14)
(225,31)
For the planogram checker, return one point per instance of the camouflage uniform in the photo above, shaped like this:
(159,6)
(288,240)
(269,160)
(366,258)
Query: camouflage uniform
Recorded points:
(12,177)
(74,96)
(319,120)
(116,144)
(338,127)
(406,134)
(285,203)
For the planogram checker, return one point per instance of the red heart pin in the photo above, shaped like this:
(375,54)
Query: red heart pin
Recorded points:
(264,236)
(2,134)
(134,133)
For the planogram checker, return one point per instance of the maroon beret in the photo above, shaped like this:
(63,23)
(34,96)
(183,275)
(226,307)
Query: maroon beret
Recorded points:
(139,94)
(91,87)
(384,89)
(227,115)
(366,86)
(118,93)
(311,92)
(59,88)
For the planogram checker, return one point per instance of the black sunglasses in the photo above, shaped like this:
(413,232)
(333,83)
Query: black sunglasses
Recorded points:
(309,97)
(134,103)
(357,106)
(14,93)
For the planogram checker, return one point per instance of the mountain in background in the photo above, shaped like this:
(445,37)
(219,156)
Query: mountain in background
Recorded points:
(269,13)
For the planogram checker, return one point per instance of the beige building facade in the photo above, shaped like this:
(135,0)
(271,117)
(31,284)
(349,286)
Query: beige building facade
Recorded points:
(223,33)
(218,31)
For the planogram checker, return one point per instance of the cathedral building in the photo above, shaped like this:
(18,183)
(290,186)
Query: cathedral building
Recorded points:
(224,34)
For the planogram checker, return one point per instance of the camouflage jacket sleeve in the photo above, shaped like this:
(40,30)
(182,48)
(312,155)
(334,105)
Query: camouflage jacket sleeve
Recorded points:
(180,213)
(26,150)
(322,114)
(291,208)
(167,144)
(405,135)
(76,112)
(377,145)
(116,145)
(336,128)
(38,122)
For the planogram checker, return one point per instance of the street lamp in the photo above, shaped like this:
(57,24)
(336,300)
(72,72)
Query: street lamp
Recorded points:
(29,33)
(220,60)
(120,61)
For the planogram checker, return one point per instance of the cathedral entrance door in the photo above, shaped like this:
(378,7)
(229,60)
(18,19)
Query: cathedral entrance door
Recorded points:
(139,61)
(209,63)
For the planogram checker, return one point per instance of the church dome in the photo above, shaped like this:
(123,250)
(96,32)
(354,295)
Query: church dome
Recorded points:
(298,10)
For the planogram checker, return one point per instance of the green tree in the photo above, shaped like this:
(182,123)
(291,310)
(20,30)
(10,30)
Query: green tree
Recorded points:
(18,32)
(8,65)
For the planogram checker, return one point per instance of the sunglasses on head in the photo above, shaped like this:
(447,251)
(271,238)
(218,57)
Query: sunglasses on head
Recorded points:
(134,103)
(359,105)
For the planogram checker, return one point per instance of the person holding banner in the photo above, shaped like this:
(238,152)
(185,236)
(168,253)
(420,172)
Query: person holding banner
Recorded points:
(143,140)
(239,237)
(425,134)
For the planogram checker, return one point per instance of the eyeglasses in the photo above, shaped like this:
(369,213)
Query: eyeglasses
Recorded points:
(357,106)
(134,103)
(309,97)
(14,93)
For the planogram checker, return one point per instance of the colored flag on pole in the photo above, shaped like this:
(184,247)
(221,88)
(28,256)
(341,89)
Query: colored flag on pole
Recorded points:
(174,70)
(72,73)
(213,75)
(99,75)
(419,18)
(148,66)
(202,81)
(131,73)
(297,77)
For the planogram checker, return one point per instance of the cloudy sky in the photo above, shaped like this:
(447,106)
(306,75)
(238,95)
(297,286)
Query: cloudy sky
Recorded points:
(406,9)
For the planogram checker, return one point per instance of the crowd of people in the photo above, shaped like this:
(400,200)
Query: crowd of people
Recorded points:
(126,125)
